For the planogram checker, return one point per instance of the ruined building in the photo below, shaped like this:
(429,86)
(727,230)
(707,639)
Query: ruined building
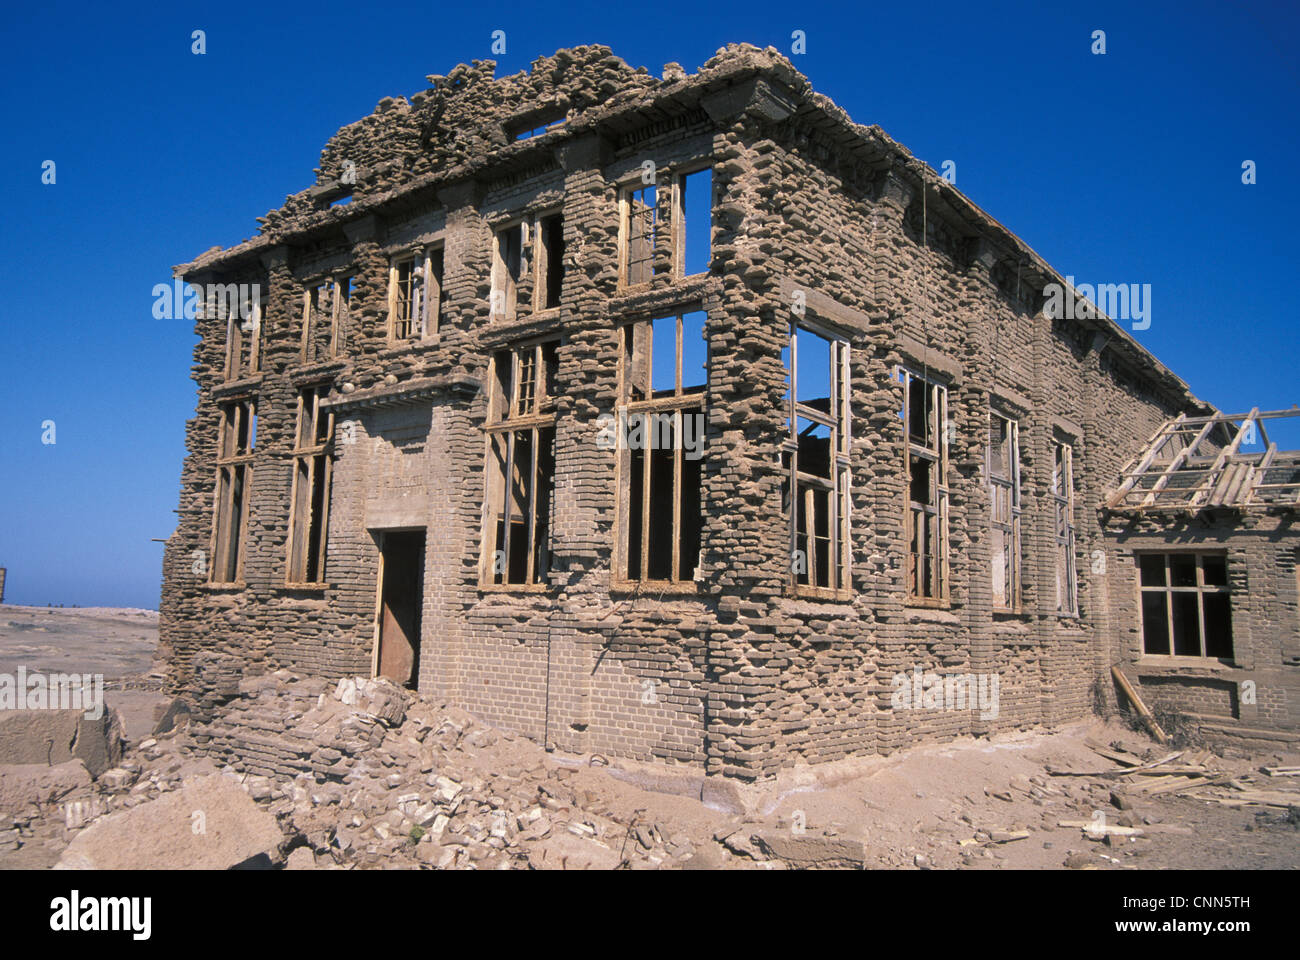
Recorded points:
(677,417)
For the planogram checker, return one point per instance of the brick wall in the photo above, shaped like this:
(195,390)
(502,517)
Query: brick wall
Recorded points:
(743,675)
(1256,688)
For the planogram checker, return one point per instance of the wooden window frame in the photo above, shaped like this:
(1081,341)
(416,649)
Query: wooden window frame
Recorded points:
(625,209)
(519,410)
(435,282)
(339,312)
(1200,589)
(232,462)
(672,232)
(933,450)
(1005,512)
(677,223)
(839,585)
(540,262)
(236,341)
(683,401)
(1061,495)
(414,315)
(534,263)
(310,446)
(501,281)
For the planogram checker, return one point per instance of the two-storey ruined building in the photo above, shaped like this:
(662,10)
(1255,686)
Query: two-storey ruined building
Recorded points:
(669,417)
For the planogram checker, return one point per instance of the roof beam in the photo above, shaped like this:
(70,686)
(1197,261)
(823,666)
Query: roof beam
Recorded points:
(1205,486)
(1158,439)
(1175,464)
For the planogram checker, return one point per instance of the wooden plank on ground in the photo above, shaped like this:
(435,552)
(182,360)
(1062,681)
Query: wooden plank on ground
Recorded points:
(1180,770)
(1006,836)
(1283,797)
(1127,759)
(1093,828)
(1138,705)
(1235,802)
(1148,785)
(1155,763)
(1186,787)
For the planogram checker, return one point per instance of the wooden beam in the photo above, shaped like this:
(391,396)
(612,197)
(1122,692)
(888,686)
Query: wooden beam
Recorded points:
(1143,712)
(1175,465)
(1163,432)
(1204,488)
(1097,829)
(1259,471)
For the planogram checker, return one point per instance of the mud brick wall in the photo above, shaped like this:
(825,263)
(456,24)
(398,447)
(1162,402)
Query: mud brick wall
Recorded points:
(922,289)
(741,674)
(1256,689)
(1205,696)
(284,726)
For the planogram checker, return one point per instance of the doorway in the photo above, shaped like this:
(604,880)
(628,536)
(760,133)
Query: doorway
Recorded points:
(401,597)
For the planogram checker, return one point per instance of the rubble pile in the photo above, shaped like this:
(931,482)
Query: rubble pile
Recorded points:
(305,773)
(359,773)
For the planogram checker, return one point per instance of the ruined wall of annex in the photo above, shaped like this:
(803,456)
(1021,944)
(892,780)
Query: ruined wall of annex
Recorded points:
(738,676)
(1252,695)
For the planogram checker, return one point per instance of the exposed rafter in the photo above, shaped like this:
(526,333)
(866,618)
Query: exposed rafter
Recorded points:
(1196,463)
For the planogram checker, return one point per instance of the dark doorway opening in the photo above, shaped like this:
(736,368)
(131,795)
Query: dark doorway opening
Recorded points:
(401,599)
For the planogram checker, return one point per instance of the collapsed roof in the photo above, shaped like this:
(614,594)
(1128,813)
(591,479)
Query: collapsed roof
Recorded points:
(1195,464)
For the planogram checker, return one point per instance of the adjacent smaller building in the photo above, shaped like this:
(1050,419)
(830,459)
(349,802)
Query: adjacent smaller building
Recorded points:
(1206,601)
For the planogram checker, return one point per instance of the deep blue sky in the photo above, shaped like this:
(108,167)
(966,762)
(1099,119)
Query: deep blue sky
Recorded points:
(1117,168)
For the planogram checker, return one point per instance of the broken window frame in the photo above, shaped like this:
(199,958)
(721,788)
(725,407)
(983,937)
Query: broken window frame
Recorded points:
(1004,513)
(534,271)
(636,362)
(521,411)
(1061,495)
(678,222)
(415,303)
(1201,589)
(234,480)
(312,462)
(506,308)
(628,211)
(243,339)
(315,347)
(933,449)
(541,261)
(536,127)
(667,223)
(799,488)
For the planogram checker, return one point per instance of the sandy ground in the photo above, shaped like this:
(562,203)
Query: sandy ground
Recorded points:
(933,807)
(931,802)
(119,643)
(938,806)
(116,643)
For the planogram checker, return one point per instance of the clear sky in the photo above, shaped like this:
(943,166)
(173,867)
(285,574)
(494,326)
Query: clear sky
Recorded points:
(1122,167)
